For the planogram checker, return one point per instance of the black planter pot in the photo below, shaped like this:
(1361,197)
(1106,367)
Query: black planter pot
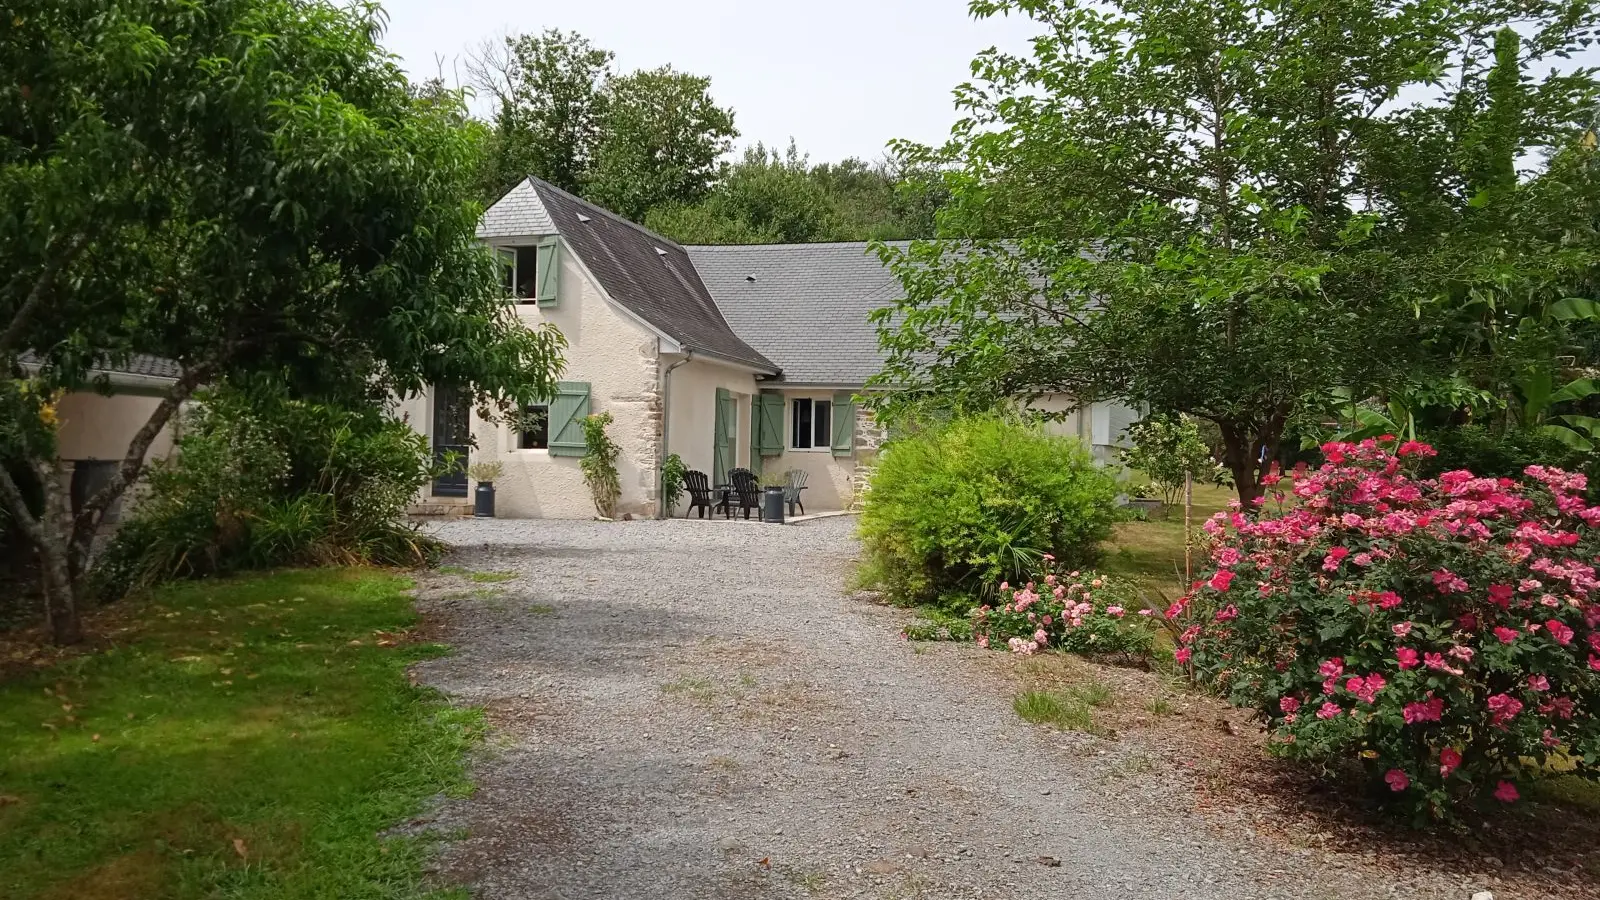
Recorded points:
(772,505)
(483,500)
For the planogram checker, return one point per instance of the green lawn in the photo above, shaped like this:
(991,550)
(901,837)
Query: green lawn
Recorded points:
(251,742)
(1151,552)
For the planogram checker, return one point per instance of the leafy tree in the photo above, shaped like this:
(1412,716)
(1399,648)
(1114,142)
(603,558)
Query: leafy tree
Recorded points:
(248,188)
(769,197)
(1194,200)
(662,139)
(1169,451)
(549,106)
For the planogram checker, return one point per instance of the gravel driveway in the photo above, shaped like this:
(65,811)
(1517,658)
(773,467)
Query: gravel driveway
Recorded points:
(699,710)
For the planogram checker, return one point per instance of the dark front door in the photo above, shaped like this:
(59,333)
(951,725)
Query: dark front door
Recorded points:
(452,435)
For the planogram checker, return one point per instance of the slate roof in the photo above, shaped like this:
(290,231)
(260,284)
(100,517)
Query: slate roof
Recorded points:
(518,214)
(650,275)
(137,364)
(804,306)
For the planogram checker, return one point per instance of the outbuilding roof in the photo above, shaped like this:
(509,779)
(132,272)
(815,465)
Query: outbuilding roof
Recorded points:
(804,306)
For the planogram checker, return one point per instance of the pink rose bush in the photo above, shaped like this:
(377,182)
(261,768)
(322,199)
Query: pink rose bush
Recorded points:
(1452,663)
(1080,612)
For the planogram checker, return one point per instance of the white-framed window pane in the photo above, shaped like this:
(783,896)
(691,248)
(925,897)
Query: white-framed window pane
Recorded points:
(822,424)
(508,271)
(800,438)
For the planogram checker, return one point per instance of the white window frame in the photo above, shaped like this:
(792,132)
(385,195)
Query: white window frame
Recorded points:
(789,419)
(510,256)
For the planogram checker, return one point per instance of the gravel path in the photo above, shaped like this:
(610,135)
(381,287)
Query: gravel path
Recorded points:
(698,710)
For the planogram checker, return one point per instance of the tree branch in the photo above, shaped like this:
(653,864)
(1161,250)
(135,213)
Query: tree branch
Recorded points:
(89,518)
(39,294)
(11,496)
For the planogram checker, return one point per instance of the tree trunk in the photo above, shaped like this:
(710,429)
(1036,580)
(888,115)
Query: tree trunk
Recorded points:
(55,558)
(1242,454)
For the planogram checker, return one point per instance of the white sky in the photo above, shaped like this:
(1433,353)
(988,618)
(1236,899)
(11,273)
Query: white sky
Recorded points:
(842,78)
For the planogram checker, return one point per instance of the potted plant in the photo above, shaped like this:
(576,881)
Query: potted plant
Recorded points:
(485,474)
(773,484)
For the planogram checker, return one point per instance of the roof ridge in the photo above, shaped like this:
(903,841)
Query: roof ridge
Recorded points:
(539,183)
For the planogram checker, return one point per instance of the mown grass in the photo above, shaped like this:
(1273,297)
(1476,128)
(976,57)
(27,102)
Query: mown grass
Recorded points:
(1151,552)
(251,743)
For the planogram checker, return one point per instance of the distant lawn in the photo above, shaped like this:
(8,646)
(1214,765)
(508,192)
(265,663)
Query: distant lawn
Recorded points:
(249,743)
(1151,553)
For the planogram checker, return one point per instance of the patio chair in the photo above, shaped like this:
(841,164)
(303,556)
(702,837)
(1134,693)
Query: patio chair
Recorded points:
(791,490)
(746,491)
(700,493)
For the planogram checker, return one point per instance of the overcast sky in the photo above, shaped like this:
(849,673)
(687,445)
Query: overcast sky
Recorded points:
(842,78)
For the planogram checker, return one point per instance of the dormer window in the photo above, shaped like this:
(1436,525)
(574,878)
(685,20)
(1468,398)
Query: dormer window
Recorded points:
(531,273)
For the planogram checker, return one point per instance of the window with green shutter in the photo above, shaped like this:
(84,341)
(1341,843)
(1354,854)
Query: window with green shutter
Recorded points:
(725,436)
(548,273)
(567,411)
(844,424)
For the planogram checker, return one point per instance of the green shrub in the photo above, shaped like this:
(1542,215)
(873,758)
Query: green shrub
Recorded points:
(261,482)
(1491,453)
(673,472)
(599,465)
(953,511)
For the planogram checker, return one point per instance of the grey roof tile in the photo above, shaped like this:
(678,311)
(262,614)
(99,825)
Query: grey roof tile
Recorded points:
(137,364)
(650,275)
(519,213)
(804,306)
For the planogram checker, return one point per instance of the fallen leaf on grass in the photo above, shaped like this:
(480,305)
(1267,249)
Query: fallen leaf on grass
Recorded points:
(9,799)
(765,863)
(238,847)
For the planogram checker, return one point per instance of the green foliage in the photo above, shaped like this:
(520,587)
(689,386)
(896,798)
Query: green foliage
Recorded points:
(1491,453)
(599,465)
(662,141)
(673,471)
(1220,209)
(261,482)
(199,728)
(486,471)
(246,187)
(1168,450)
(773,198)
(955,510)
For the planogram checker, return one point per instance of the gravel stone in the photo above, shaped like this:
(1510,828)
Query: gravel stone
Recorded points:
(693,710)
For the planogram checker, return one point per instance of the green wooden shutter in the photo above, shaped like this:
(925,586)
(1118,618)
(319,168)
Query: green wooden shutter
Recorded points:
(768,413)
(755,436)
(727,419)
(844,424)
(548,260)
(567,412)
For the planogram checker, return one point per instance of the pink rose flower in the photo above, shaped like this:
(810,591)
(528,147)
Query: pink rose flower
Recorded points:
(1329,710)
(1539,683)
(1502,709)
(1407,657)
(1398,780)
(1040,638)
(1289,704)
(1449,761)
(1506,792)
(1506,635)
(1228,613)
(1559,632)
(1116,612)
(1402,630)
(1182,656)
(1333,668)
(1431,710)
(1221,580)
(983,641)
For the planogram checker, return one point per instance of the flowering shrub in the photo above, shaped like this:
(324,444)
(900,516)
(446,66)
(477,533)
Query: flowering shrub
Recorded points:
(1081,612)
(1444,633)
